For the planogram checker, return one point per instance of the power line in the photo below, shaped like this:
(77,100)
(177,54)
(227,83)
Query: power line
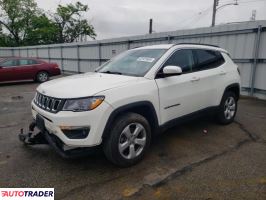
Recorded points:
(196,16)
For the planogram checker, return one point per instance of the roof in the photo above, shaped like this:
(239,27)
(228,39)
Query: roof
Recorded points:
(184,45)
(159,46)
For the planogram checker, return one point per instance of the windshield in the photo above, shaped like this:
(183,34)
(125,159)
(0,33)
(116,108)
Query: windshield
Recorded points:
(134,62)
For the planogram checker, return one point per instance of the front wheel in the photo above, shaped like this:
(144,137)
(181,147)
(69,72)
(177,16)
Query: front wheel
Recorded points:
(128,141)
(227,109)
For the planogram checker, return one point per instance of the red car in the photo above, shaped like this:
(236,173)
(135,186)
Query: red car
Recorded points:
(17,68)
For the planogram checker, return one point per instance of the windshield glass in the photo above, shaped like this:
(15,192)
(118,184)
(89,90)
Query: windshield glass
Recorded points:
(134,62)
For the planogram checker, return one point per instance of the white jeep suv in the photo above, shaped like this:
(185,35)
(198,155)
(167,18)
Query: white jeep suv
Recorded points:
(134,96)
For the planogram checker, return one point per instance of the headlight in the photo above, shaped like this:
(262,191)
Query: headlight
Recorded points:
(83,104)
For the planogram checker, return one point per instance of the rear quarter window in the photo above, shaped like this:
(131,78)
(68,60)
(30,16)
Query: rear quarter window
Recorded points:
(207,59)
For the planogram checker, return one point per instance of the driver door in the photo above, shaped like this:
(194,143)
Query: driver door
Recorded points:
(177,93)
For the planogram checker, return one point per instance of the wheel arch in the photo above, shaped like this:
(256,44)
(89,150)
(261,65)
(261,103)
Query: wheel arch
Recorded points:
(144,108)
(235,88)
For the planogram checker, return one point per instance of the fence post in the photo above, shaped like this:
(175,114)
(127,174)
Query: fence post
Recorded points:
(78,58)
(62,59)
(49,58)
(169,39)
(100,54)
(27,52)
(255,62)
(37,52)
(128,44)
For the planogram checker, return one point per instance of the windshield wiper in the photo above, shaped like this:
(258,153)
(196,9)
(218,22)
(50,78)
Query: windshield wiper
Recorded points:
(111,72)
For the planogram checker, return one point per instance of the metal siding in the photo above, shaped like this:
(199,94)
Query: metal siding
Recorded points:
(16,52)
(69,52)
(43,52)
(260,81)
(23,53)
(5,52)
(32,53)
(55,52)
(70,65)
(89,52)
(262,52)
(245,70)
(88,66)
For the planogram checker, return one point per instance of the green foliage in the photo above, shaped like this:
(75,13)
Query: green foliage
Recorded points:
(70,24)
(23,23)
(41,31)
(15,16)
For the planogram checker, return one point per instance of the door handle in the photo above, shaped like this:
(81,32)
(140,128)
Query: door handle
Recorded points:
(195,79)
(222,73)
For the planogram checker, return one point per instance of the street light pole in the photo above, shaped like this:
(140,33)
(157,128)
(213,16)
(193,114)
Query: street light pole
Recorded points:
(216,8)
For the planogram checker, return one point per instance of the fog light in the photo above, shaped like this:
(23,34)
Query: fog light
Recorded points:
(74,132)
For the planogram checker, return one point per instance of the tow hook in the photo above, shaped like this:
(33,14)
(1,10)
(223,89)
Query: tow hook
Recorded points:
(30,138)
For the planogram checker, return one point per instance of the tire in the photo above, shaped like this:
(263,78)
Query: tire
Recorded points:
(122,147)
(42,76)
(227,109)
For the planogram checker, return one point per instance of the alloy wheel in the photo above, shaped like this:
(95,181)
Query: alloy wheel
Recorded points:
(132,141)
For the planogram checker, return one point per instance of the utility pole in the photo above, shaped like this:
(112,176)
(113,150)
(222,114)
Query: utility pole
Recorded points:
(216,8)
(215,4)
(150,27)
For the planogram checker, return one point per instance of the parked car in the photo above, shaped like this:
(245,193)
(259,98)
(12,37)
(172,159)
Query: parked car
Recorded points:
(18,68)
(133,97)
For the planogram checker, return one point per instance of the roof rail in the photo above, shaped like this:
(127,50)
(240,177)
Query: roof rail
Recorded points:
(198,44)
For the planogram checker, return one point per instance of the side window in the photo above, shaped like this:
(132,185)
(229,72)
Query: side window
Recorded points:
(23,62)
(207,59)
(182,58)
(32,62)
(9,63)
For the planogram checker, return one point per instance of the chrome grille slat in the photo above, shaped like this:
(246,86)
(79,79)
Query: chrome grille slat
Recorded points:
(47,103)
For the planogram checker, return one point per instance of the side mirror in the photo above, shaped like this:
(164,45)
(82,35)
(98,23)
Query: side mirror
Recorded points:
(172,70)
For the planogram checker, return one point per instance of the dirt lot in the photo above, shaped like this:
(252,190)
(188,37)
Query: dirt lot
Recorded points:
(227,162)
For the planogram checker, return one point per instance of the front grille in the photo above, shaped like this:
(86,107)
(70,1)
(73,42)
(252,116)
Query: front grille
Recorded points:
(50,104)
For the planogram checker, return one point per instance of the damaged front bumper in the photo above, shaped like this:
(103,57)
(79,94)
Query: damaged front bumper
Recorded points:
(44,137)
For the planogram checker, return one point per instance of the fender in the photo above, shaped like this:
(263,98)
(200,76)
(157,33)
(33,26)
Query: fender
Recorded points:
(231,87)
(151,115)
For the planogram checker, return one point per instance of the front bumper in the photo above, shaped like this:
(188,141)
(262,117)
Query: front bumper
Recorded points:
(44,137)
(95,119)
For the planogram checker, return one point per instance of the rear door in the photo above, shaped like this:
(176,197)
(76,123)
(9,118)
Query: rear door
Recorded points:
(7,70)
(209,72)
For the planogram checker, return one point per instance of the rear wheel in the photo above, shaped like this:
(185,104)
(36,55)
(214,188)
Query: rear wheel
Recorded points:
(128,141)
(42,77)
(227,109)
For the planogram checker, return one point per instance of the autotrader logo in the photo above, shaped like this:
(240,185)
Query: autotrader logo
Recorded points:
(27,193)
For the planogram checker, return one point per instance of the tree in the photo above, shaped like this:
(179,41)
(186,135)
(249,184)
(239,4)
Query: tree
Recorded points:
(41,31)
(15,16)
(70,23)
(23,23)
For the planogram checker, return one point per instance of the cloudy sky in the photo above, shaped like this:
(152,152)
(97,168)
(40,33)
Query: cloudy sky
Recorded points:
(116,18)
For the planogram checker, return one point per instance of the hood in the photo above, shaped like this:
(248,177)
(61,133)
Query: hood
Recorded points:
(83,85)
